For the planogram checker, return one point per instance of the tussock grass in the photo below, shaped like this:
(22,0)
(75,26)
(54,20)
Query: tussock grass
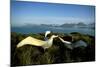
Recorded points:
(58,53)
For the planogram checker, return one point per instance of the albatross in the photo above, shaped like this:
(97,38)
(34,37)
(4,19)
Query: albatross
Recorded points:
(37,42)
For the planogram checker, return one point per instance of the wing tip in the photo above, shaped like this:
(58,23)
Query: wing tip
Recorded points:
(17,46)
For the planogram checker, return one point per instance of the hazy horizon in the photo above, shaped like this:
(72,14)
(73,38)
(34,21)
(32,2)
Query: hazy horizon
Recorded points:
(23,13)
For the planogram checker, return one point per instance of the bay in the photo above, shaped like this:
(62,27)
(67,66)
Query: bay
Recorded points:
(42,29)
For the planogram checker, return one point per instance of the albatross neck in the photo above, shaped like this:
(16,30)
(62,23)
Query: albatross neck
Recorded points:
(50,41)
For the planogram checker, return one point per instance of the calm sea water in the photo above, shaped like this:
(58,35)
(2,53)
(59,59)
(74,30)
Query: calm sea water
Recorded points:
(42,29)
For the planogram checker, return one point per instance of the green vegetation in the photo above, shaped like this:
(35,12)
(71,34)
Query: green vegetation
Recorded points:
(58,53)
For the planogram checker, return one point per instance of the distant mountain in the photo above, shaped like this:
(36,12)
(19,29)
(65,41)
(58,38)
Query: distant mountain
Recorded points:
(78,25)
(81,24)
(68,25)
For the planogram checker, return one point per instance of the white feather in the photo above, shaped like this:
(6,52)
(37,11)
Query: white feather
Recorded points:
(36,42)
(67,43)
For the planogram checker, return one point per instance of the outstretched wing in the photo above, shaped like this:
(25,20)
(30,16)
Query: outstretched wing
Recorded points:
(31,41)
(67,42)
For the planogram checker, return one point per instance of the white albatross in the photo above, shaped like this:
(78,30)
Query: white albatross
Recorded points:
(37,42)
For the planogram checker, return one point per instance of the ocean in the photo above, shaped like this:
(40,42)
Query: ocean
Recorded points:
(42,29)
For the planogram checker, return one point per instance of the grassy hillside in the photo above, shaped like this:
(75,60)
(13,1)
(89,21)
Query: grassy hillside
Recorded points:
(58,53)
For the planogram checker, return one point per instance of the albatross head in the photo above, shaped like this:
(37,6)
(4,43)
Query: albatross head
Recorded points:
(47,32)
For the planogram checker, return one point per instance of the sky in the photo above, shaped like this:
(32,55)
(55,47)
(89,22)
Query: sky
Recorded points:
(23,13)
